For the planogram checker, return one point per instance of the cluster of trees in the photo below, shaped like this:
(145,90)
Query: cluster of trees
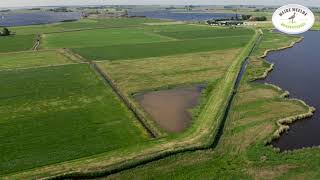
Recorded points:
(246,17)
(253,18)
(5,10)
(60,9)
(5,32)
(258,18)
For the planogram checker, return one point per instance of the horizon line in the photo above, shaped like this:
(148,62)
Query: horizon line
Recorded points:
(17,7)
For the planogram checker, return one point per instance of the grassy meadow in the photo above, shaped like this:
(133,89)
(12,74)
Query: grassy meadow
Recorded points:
(82,25)
(207,33)
(274,41)
(55,114)
(145,50)
(28,59)
(151,73)
(316,26)
(16,43)
(99,37)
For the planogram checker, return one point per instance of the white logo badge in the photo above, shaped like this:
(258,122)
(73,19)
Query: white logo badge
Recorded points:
(293,19)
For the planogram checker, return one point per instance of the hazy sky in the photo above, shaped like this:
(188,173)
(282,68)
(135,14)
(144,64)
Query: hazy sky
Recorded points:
(19,3)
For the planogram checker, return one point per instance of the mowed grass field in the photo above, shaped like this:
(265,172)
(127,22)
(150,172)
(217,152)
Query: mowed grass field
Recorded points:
(83,24)
(189,42)
(29,59)
(99,37)
(148,41)
(16,43)
(151,73)
(145,50)
(55,114)
(207,33)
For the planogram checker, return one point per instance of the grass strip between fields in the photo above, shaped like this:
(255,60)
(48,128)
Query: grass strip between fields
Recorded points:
(199,136)
(35,59)
(150,126)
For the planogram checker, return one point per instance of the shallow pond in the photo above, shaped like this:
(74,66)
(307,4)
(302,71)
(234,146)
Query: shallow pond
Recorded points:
(171,108)
(297,70)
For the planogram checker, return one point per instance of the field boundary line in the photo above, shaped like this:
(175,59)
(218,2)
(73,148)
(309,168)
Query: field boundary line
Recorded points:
(153,131)
(39,67)
(71,55)
(166,56)
(219,37)
(155,42)
(88,29)
(161,36)
(27,51)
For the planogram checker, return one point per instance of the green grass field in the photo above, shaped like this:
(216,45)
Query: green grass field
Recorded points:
(108,23)
(273,40)
(82,24)
(316,26)
(100,37)
(50,115)
(145,50)
(16,43)
(29,59)
(92,120)
(178,28)
(210,33)
(151,73)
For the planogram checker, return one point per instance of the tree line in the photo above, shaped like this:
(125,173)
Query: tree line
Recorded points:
(5,32)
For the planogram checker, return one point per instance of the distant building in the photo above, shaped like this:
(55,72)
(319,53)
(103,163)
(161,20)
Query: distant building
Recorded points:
(225,22)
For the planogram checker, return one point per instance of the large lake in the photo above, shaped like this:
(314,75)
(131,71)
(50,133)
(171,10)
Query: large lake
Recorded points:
(21,19)
(297,70)
(182,16)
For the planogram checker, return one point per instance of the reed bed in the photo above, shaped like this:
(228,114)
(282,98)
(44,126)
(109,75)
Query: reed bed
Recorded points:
(283,124)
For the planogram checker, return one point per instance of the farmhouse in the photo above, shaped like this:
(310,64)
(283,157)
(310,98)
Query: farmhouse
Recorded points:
(225,22)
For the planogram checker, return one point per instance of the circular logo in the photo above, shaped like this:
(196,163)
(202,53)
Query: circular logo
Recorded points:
(293,19)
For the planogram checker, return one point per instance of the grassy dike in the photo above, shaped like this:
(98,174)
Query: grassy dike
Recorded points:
(242,152)
(199,136)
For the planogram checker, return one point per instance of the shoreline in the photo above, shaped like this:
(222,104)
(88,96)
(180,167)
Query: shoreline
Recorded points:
(283,124)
